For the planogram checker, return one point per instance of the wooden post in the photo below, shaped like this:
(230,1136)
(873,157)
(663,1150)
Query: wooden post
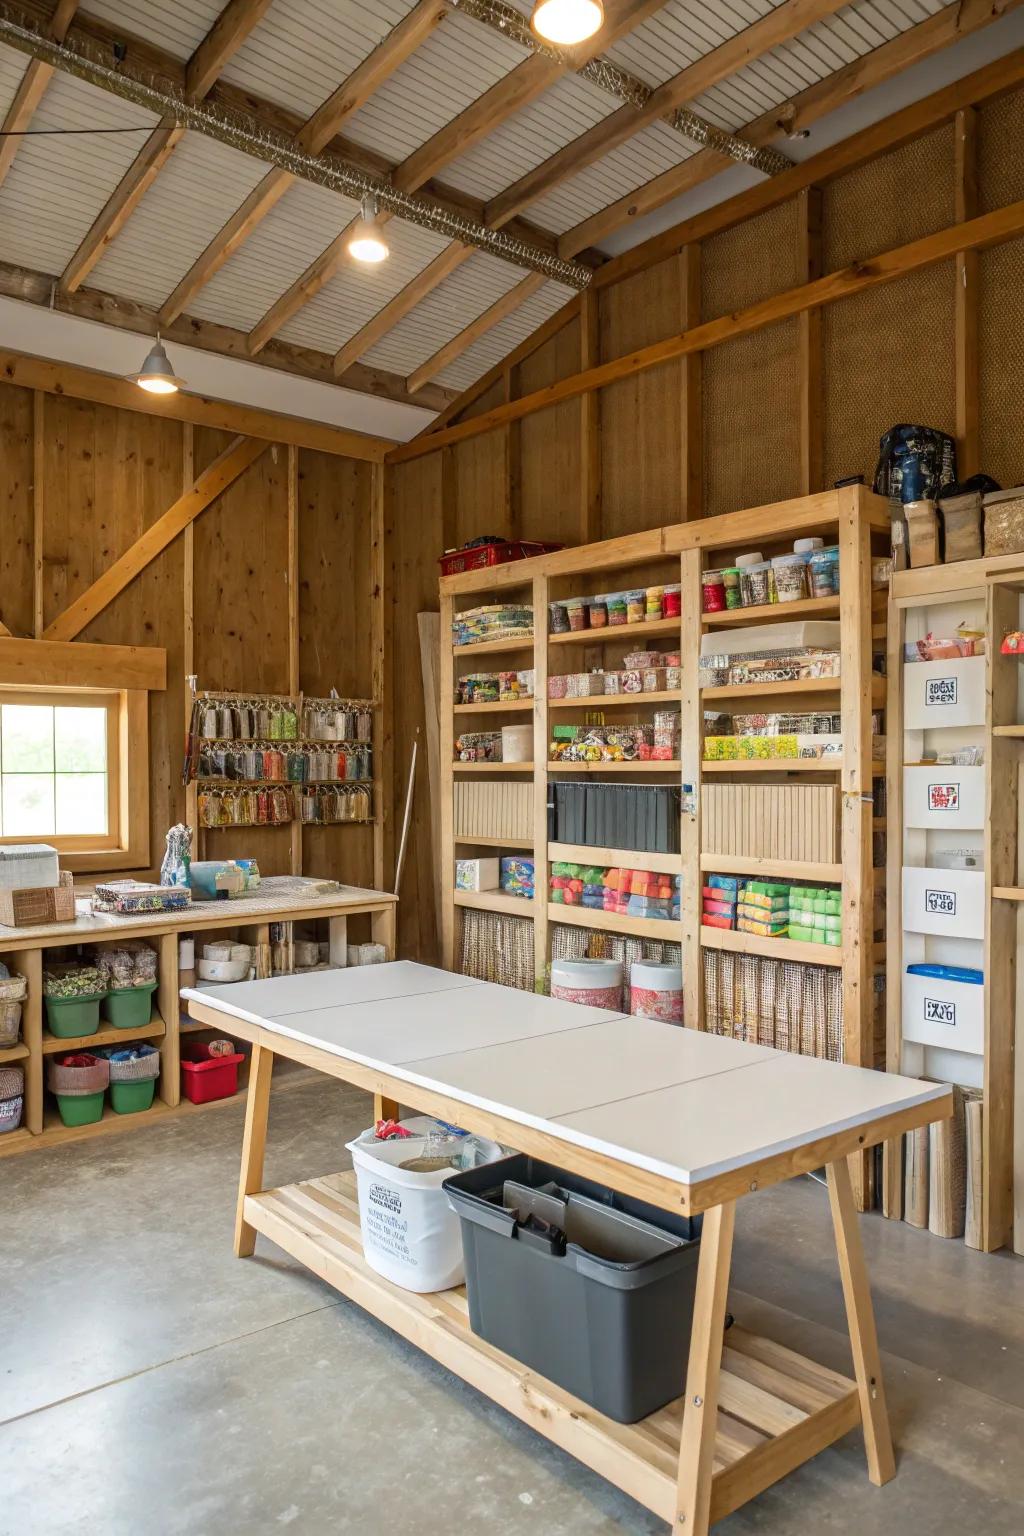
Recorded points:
(892,1151)
(540,781)
(29,963)
(38,510)
(809,323)
(382,928)
(512,445)
(700,1404)
(254,1143)
(188,474)
(590,422)
(965,193)
(691,753)
(169,1002)
(294,683)
(861,1321)
(446,750)
(380,590)
(691,386)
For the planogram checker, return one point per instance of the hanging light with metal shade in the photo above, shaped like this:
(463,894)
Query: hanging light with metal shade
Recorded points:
(367,244)
(567,22)
(156,376)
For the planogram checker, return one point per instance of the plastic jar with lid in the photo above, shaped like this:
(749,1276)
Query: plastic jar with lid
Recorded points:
(712,592)
(790,578)
(653,600)
(635,606)
(731,582)
(755,587)
(559,618)
(755,557)
(616,608)
(577,611)
(823,570)
(672,602)
(598,612)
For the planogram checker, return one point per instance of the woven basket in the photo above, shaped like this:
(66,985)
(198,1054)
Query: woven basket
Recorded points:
(10,1113)
(12,992)
(12,1082)
(139,1071)
(75,1081)
(41,904)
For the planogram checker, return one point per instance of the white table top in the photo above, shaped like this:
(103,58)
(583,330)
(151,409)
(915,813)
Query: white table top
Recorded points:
(676,1102)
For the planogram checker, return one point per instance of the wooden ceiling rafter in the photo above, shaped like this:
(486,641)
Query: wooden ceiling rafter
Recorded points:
(234,24)
(401,305)
(509,95)
(31,89)
(492,316)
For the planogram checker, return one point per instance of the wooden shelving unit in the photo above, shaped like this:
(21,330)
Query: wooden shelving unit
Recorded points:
(852,518)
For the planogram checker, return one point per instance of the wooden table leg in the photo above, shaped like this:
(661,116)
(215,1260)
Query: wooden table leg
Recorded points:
(254,1142)
(382,929)
(861,1321)
(700,1411)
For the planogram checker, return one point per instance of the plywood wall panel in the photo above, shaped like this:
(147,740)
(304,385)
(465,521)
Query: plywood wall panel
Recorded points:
(1000,135)
(16,510)
(549,445)
(334,548)
(889,201)
(479,487)
(1001,341)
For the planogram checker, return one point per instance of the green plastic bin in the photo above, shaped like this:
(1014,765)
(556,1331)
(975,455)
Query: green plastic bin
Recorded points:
(130,1007)
(70,1017)
(80,1108)
(130,1098)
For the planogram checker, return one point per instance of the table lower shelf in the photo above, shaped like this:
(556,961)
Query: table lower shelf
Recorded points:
(776,1408)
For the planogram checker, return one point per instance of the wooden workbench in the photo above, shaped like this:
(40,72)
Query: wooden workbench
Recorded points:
(280,899)
(687,1121)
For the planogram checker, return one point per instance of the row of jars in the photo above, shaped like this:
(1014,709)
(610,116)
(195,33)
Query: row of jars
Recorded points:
(294,765)
(264,719)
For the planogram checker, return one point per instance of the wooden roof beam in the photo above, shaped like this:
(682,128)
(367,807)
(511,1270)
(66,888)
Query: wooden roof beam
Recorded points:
(494,315)
(314,136)
(781,24)
(902,52)
(226,36)
(30,90)
(402,304)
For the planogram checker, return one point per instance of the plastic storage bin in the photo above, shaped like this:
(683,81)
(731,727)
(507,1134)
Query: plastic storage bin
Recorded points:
(71,1017)
(205,1077)
(944,796)
(946,692)
(132,1082)
(941,1011)
(130,1007)
(607,1314)
(12,995)
(79,1081)
(947,902)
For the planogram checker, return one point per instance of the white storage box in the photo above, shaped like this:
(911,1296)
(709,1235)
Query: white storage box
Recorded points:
(943,796)
(949,1014)
(816,634)
(948,902)
(28,867)
(941,693)
(476,874)
(411,1235)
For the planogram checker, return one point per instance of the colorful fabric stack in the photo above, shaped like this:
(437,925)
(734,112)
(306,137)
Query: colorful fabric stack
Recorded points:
(815,916)
(763,909)
(770,910)
(719,897)
(625,892)
(517,877)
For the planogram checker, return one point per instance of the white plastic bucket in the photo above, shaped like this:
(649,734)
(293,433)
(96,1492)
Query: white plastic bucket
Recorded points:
(411,1235)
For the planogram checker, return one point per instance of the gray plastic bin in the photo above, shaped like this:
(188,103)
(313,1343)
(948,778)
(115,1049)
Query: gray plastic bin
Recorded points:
(606,1311)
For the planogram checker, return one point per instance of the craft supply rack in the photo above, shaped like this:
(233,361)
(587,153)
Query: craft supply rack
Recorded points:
(988,593)
(854,519)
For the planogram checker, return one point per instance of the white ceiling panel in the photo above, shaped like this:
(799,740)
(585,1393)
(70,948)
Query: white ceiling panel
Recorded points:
(474,287)
(489,350)
(179,27)
(655,149)
(303,50)
(458,62)
(198,189)
(683,31)
(280,249)
(358,292)
(58,183)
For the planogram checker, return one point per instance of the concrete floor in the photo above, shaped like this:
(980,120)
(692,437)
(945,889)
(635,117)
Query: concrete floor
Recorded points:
(149,1382)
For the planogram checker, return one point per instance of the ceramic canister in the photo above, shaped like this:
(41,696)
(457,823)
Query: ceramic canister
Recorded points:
(656,991)
(597,983)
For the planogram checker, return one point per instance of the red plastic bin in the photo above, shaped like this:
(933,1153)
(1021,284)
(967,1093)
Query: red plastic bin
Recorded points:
(478,556)
(205,1077)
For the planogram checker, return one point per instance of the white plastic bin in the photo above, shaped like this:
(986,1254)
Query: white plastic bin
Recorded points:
(948,902)
(943,796)
(950,1014)
(411,1235)
(941,693)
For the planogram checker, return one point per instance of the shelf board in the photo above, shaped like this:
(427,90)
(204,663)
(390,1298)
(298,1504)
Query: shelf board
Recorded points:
(1013,731)
(615,858)
(795,688)
(491,647)
(804,608)
(613,922)
(769,869)
(493,708)
(492,767)
(494,901)
(773,949)
(662,767)
(618,700)
(1008,892)
(494,842)
(774,765)
(618,632)
(108,1035)
(16,1052)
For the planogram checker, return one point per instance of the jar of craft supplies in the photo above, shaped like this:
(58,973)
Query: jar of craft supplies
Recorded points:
(595,983)
(656,991)
(576,608)
(635,606)
(517,743)
(790,574)
(672,602)
(823,571)
(653,600)
(755,585)
(731,583)
(559,618)
(712,592)
(598,612)
(617,612)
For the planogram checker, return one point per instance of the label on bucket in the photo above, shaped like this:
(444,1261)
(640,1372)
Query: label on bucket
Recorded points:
(648,1004)
(384,1222)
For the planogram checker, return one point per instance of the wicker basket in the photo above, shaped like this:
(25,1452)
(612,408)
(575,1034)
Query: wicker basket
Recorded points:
(10,1113)
(12,1082)
(41,904)
(12,993)
(77,1081)
(138,1071)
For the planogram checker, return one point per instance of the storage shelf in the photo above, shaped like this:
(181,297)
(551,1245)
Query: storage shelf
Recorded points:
(776,765)
(616,858)
(614,922)
(495,901)
(493,708)
(16,1052)
(1008,892)
(492,767)
(663,767)
(803,608)
(1013,731)
(617,700)
(492,647)
(108,1035)
(773,949)
(494,842)
(618,632)
(795,688)
(769,869)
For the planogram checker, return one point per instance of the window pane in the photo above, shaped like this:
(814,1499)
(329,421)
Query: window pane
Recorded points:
(28,805)
(80,740)
(27,731)
(81,803)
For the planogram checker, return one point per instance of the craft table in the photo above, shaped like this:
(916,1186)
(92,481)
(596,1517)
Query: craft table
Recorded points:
(690,1122)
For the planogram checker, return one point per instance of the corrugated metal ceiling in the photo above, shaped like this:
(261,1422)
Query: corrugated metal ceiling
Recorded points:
(504,338)
(474,287)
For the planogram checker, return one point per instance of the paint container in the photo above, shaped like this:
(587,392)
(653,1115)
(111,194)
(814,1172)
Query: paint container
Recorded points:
(656,991)
(595,983)
(517,743)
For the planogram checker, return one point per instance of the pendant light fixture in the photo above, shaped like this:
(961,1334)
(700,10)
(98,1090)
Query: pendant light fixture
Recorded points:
(156,376)
(567,22)
(367,244)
